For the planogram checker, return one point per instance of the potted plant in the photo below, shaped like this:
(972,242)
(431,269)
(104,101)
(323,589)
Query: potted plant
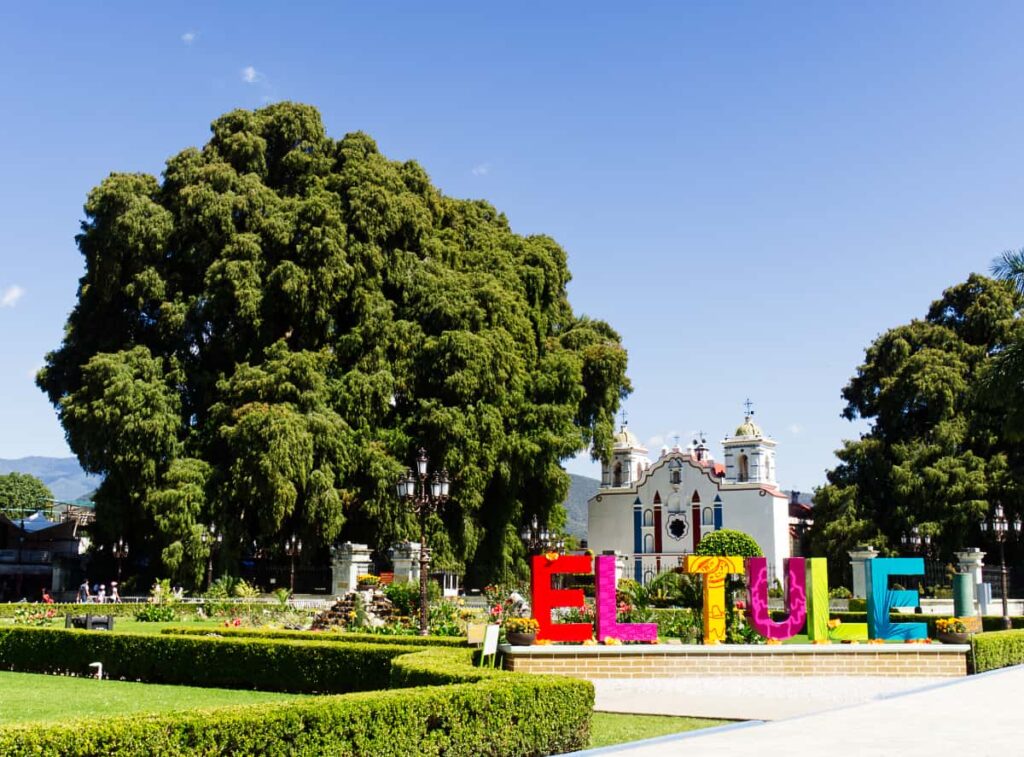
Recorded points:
(952,631)
(521,632)
(367,581)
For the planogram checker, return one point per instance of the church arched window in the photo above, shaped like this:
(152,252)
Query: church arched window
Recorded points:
(649,543)
(648,518)
(617,474)
(707,517)
(744,469)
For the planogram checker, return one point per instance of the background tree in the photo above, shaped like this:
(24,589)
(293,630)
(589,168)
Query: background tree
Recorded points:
(263,338)
(935,455)
(22,491)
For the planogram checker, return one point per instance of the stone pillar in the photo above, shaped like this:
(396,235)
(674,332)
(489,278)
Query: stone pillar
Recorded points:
(971,561)
(406,559)
(348,562)
(858,557)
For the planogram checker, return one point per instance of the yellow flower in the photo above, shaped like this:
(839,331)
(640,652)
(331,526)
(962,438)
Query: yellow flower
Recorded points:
(773,642)
(835,623)
(609,641)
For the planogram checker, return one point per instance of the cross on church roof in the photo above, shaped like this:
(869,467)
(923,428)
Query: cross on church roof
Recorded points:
(749,405)
(622,414)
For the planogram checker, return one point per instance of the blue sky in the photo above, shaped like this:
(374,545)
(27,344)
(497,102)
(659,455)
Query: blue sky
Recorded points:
(748,192)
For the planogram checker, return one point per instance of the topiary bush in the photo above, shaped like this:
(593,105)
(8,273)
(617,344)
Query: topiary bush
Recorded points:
(727,542)
(345,637)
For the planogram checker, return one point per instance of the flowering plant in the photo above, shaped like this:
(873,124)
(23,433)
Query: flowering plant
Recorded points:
(521,625)
(950,625)
(368,579)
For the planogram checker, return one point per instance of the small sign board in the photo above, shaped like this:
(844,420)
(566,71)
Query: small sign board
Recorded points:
(491,639)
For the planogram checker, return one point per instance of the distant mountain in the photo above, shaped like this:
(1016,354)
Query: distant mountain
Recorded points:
(63,475)
(581,489)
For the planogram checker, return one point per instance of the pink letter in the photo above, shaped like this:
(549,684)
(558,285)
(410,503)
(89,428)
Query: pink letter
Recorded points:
(796,598)
(607,625)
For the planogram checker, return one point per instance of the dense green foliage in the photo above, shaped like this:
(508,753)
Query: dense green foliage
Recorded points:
(997,649)
(319,636)
(479,712)
(23,492)
(266,664)
(988,622)
(263,338)
(726,542)
(935,456)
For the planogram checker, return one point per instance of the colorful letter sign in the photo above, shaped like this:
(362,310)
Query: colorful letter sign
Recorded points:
(881,598)
(607,625)
(545,598)
(715,569)
(796,598)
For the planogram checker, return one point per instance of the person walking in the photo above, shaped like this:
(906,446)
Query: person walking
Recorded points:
(101,595)
(115,595)
(47,599)
(83,593)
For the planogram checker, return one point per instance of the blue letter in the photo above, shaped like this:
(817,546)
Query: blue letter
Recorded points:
(881,598)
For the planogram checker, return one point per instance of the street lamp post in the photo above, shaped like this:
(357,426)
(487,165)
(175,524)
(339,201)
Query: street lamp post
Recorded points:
(214,539)
(537,538)
(917,542)
(120,552)
(292,548)
(423,494)
(999,526)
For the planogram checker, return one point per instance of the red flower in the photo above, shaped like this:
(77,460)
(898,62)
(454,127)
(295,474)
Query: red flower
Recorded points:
(741,605)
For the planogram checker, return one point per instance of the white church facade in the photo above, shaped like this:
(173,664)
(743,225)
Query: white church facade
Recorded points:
(656,512)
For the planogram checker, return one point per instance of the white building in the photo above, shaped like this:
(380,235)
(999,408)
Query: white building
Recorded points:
(655,512)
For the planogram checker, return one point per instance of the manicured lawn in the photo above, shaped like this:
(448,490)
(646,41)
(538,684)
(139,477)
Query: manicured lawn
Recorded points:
(616,728)
(26,697)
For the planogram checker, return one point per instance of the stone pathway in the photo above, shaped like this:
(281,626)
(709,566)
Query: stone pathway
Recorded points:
(978,716)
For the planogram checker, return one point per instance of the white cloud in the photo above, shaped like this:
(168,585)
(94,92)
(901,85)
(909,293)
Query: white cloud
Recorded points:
(794,428)
(188,37)
(655,442)
(11,295)
(251,76)
(481,170)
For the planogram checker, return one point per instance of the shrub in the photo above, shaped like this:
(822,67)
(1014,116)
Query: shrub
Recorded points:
(728,542)
(319,636)
(997,649)
(163,613)
(479,711)
(246,663)
(840,592)
(505,716)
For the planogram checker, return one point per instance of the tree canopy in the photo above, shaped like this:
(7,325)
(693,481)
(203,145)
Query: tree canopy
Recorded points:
(23,491)
(935,456)
(264,337)
(727,542)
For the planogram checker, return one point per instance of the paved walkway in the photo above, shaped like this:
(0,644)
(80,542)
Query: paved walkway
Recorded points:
(745,697)
(978,716)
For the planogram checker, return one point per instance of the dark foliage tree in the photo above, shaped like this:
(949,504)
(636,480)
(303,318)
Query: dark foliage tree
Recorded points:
(263,338)
(22,493)
(935,457)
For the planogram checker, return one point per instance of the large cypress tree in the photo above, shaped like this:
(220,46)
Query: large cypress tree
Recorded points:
(263,338)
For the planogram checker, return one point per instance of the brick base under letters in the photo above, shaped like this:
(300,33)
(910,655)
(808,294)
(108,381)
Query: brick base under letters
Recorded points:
(799,660)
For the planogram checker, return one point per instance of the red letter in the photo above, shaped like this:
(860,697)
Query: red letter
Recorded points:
(545,598)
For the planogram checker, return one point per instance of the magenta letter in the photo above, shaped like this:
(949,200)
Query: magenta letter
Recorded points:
(796,598)
(604,588)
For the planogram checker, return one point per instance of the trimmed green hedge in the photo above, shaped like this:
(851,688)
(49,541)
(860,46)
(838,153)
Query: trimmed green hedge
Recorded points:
(997,649)
(319,636)
(479,712)
(265,664)
(521,715)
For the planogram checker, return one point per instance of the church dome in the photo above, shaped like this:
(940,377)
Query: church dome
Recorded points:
(748,428)
(625,439)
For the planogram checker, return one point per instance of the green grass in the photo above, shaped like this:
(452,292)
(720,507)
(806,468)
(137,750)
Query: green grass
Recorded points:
(616,728)
(130,625)
(28,697)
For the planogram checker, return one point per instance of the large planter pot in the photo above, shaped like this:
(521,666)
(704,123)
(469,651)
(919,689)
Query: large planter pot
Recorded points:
(953,638)
(518,639)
